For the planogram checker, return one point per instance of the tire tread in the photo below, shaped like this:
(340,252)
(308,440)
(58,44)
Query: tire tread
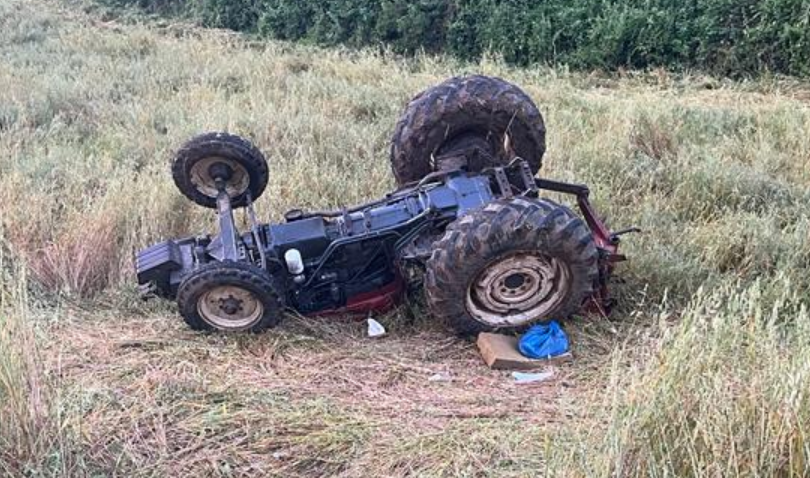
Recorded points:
(472,241)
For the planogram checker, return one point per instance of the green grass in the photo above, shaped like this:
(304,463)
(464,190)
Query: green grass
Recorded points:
(701,371)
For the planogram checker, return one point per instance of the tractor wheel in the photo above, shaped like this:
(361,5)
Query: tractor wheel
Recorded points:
(229,296)
(454,118)
(195,162)
(509,265)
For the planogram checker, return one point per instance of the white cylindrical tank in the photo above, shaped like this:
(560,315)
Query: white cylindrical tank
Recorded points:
(295,264)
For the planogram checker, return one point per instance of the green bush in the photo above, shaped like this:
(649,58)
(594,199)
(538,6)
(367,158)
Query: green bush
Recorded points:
(286,19)
(240,15)
(732,37)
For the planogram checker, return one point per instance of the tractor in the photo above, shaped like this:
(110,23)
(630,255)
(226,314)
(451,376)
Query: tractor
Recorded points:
(468,217)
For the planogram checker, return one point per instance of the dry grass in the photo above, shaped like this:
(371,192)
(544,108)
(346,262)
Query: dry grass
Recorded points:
(721,393)
(78,261)
(315,398)
(677,383)
(30,434)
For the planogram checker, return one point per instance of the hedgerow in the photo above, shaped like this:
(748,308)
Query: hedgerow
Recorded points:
(732,37)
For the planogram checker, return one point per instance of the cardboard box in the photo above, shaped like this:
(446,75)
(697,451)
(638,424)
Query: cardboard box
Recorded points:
(501,352)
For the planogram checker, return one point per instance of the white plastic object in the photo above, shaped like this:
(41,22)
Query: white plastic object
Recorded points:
(523,377)
(295,263)
(440,377)
(375,329)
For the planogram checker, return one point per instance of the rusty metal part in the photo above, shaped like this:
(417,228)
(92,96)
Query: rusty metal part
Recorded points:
(205,181)
(606,241)
(518,289)
(230,308)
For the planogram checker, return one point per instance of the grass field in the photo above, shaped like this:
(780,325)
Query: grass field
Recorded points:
(703,370)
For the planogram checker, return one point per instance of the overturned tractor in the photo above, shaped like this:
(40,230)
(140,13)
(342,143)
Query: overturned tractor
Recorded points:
(468,214)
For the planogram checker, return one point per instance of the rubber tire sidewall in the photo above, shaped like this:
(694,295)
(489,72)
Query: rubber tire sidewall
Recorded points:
(480,102)
(225,145)
(247,276)
(477,239)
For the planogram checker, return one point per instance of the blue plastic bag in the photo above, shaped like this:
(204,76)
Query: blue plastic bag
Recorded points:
(543,341)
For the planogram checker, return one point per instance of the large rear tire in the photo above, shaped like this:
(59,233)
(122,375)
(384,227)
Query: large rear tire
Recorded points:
(462,113)
(509,265)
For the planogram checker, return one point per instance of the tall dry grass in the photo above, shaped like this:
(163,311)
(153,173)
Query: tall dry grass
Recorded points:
(722,392)
(32,439)
(709,383)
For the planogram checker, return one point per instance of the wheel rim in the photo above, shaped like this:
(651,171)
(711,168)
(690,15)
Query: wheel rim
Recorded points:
(230,308)
(518,289)
(205,183)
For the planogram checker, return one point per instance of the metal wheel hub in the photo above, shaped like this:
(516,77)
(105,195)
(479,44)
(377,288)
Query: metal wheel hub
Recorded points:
(230,308)
(518,289)
(203,179)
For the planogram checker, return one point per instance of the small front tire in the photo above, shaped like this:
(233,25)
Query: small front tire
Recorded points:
(195,162)
(231,297)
